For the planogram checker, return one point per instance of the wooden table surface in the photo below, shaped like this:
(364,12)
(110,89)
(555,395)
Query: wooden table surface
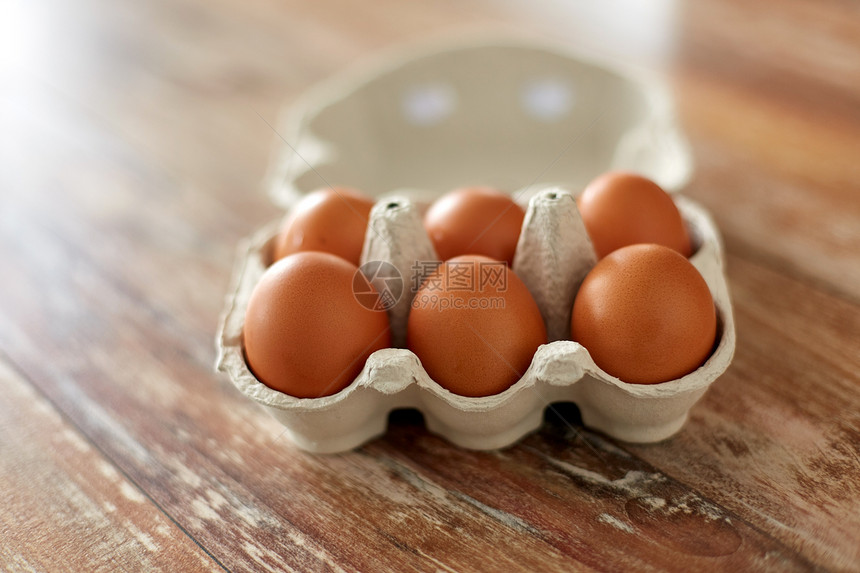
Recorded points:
(132,155)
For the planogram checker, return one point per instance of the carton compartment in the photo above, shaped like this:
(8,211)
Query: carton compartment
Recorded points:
(553,244)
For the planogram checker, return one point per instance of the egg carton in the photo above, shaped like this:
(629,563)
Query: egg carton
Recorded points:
(409,128)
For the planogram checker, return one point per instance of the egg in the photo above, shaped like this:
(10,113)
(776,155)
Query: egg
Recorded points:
(621,209)
(645,315)
(476,221)
(474,326)
(305,333)
(328,220)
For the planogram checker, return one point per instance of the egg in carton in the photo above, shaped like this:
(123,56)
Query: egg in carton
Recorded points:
(486,111)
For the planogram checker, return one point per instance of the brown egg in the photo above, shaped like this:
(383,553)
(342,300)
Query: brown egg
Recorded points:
(645,315)
(621,209)
(474,326)
(475,220)
(329,220)
(305,333)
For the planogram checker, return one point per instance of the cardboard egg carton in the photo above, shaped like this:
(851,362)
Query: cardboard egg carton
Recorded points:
(485,112)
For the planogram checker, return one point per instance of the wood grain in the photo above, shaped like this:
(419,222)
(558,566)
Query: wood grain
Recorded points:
(130,166)
(776,125)
(778,439)
(66,506)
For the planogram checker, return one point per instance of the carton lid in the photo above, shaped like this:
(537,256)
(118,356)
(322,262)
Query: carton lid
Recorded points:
(516,114)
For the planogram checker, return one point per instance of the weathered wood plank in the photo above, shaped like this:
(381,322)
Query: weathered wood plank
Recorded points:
(757,46)
(782,185)
(775,124)
(777,438)
(588,498)
(66,507)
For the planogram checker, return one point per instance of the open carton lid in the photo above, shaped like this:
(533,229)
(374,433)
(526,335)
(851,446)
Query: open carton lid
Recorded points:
(514,114)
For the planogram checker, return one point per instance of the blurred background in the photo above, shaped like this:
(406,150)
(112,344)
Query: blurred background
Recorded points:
(178,86)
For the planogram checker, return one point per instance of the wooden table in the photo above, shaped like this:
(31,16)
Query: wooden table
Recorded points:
(131,159)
